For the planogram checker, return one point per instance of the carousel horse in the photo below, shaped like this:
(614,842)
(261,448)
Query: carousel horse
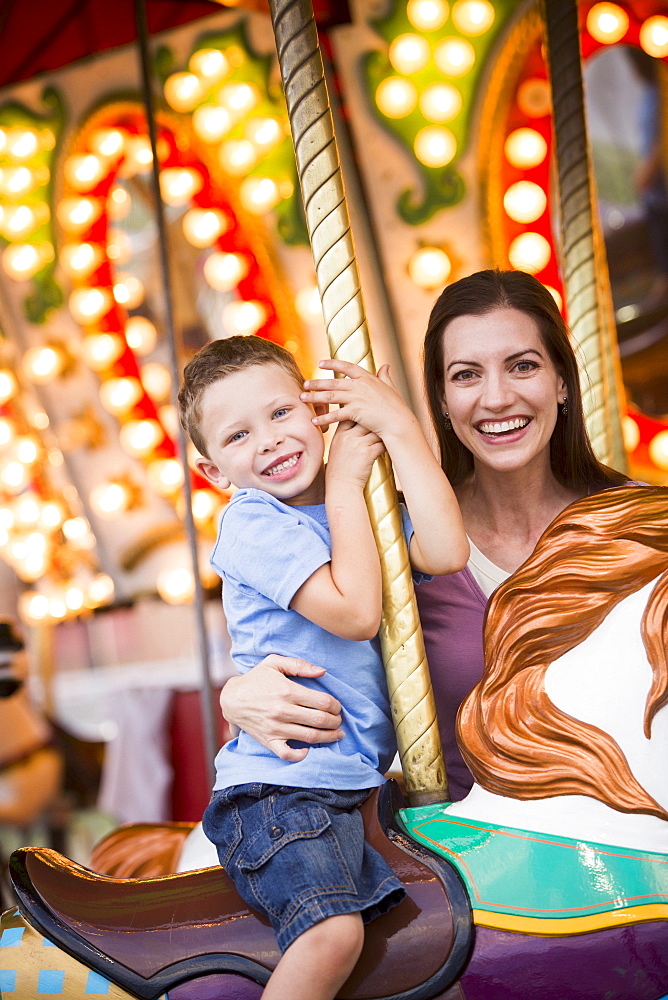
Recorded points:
(548,882)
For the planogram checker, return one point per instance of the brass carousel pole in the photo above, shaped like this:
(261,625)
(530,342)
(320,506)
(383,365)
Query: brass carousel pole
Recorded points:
(586,280)
(409,685)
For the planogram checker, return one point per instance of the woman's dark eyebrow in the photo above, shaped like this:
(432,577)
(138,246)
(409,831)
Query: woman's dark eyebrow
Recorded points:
(511,357)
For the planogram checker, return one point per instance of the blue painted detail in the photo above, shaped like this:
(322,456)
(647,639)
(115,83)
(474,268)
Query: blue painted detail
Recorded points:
(48,943)
(97,985)
(50,981)
(7,981)
(11,936)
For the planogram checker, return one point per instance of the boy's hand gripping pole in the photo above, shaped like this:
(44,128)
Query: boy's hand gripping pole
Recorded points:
(409,684)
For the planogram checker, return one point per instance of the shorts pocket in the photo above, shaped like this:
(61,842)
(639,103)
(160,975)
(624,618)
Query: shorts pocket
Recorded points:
(295,824)
(221,823)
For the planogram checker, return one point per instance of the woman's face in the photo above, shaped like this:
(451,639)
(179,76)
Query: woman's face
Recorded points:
(501,389)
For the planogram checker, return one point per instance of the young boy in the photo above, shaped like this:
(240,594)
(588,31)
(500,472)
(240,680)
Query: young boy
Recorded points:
(301,577)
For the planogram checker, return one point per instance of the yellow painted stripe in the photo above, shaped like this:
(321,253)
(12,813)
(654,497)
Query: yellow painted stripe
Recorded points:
(560,926)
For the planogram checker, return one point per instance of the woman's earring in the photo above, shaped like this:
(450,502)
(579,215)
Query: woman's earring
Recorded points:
(564,408)
(447,422)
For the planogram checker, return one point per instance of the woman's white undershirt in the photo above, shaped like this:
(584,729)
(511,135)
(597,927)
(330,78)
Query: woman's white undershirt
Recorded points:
(487,575)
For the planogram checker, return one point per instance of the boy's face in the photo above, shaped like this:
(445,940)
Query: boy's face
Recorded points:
(260,436)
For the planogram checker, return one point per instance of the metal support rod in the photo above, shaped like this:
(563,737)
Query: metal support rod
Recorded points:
(209,709)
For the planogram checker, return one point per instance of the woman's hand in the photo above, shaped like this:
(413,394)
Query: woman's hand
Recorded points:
(273,709)
(352,452)
(366,399)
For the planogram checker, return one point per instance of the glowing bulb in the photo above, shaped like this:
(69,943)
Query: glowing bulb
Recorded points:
(473,17)
(32,607)
(654,36)
(525,201)
(118,203)
(140,437)
(16,182)
(138,155)
(88,305)
(607,23)
(224,271)
(308,304)
(440,102)
(409,53)
(169,418)
(658,449)
(141,335)
(237,156)
(21,260)
(203,505)
(631,433)
(22,144)
(14,476)
(264,133)
(429,267)
(556,296)
(529,252)
(43,364)
(102,350)
(209,64)
(75,528)
(107,142)
(119,246)
(176,586)
(179,184)
(534,97)
(244,317)
(79,260)
(211,122)
(454,56)
(119,395)
(183,91)
(202,227)
(26,450)
(78,214)
(84,171)
(166,476)
(74,598)
(128,291)
(51,515)
(111,499)
(6,427)
(100,590)
(396,97)
(8,385)
(259,194)
(435,146)
(239,98)
(19,221)
(525,148)
(427,15)
(157,381)
(27,511)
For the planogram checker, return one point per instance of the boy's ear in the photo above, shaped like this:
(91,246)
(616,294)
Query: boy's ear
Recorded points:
(210,471)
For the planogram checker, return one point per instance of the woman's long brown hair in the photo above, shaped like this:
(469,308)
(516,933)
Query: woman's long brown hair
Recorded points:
(515,741)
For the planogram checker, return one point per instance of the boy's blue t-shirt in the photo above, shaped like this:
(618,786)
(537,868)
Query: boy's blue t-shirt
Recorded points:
(264,552)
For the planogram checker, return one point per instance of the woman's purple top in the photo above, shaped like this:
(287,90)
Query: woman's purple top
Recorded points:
(452,610)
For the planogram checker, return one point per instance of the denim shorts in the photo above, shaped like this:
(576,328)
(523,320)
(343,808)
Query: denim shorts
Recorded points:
(298,855)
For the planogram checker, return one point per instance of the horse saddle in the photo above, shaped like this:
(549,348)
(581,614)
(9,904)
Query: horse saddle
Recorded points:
(150,935)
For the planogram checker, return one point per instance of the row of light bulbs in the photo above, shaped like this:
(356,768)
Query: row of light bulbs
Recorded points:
(608,23)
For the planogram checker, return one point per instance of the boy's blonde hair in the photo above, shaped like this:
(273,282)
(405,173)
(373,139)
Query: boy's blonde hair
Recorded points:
(217,360)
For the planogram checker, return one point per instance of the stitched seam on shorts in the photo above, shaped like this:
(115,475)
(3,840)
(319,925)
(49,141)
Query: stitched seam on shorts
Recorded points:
(362,904)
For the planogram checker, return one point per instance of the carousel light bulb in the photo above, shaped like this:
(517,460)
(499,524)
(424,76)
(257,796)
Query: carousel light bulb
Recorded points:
(264,133)
(203,505)
(100,590)
(630,432)
(212,122)
(31,566)
(607,23)
(51,515)
(43,364)
(203,226)
(21,260)
(209,64)
(525,201)
(244,317)
(138,155)
(19,221)
(166,476)
(6,428)
(22,144)
(440,102)
(39,419)
(14,476)
(308,304)
(84,171)
(157,381)
(128,291)
(534,97)
(237,156)
(101,350)
(224,271)
(556,296)
(119,246)
(119,395)
(108,142)
(33,608)
(176,585)
(79,260)
(26,450)
(658,450)
(8,385)
(429,267)
(6,519)
(239,98)
(396,97)
(88,305)
(454,56)
(427,15)
(118,203)
(74,598)
(78,214)
(169,418)
(409,53)
(27,511)
(525,148)
(654,36)
(179,184)
(141,335)
(259,194)
(140,437)
(75,528)
(183,91)
(473,17)
(111,499)
(16,182)
(529,252)
(435,146)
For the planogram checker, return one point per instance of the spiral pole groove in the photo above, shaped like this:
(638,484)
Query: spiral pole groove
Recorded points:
(586,280)
(318,166)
